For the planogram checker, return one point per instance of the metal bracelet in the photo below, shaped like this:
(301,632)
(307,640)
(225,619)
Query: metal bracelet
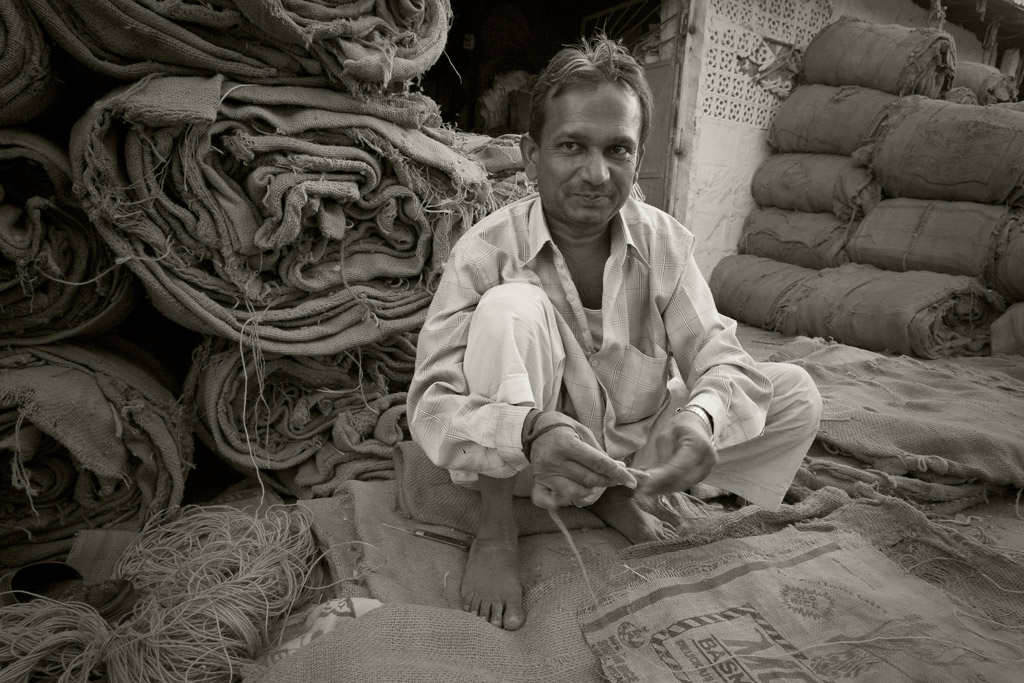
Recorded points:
(703,415)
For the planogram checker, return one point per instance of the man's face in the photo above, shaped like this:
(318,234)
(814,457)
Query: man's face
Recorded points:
(586,160)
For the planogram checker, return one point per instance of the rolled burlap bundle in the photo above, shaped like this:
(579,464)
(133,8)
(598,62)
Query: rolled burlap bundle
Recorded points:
(350,45)
(960,95)
(888,57)
(985,241)
(989,84)
(825,119)
(1008,331)
(91,438)
(931,149)
(915,313)
(811,240)
(302,221)
(28,84)
(58,279)
(303,424)
(816,183)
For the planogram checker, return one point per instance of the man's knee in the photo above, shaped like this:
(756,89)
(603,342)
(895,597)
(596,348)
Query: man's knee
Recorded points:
(518,311)
(518,300)
(514,353)
(797,397)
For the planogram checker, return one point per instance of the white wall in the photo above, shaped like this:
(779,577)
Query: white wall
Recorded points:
(721,135)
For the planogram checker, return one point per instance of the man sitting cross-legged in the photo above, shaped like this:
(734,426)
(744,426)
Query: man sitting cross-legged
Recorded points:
(545,364)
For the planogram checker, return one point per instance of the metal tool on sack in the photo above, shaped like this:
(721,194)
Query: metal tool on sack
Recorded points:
(432,536)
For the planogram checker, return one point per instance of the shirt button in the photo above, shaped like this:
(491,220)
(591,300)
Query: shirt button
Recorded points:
(593,362)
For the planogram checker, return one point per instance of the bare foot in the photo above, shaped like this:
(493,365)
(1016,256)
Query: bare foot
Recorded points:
(490,584)
(618,510)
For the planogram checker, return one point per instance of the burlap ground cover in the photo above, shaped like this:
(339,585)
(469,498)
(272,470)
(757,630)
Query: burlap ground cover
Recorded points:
(944,421)
(825,588)
(796,606)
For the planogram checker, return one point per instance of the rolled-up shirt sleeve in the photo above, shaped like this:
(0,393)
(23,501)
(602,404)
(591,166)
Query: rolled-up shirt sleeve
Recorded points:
(457,429)
(721,376)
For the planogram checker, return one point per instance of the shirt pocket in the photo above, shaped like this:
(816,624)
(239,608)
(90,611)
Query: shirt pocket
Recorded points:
(639,383)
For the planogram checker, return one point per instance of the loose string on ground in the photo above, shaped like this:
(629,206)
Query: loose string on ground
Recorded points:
(576,553)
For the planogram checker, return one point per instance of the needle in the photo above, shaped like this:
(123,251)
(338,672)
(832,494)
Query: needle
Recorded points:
(430,535)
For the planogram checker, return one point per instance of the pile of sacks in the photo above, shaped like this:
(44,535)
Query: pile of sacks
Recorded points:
(888,214)
(262,176)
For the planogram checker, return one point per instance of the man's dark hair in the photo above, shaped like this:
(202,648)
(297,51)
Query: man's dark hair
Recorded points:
(589,64)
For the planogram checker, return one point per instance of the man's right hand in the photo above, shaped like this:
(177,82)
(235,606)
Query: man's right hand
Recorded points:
(568,462)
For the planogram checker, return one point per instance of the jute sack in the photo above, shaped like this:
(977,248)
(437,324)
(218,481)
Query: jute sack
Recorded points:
(887,57)
(828,120)
(58,279)
(960,95)
(1008,331)
(28,81)
(303,220)
(746,287)
(959,238)
(302,424)
(916,313)
(988,83)
(816,183)
(94,437)
(931,149)
(810,240)
(349,45)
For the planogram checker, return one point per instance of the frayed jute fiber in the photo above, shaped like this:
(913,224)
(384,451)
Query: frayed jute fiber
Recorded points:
(215,587)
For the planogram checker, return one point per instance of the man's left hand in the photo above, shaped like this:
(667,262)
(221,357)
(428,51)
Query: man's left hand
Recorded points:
(684,456)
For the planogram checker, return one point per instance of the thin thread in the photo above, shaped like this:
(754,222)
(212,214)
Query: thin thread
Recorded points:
(958,613)
(576,553)
(18,465)
(257,357)
(118,262)
(982,574)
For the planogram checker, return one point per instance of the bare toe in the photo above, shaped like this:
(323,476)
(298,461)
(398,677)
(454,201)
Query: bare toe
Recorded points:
(490,584)
(514,617)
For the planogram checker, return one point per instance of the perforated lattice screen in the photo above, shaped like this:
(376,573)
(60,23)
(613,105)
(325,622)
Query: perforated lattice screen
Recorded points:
(744,38)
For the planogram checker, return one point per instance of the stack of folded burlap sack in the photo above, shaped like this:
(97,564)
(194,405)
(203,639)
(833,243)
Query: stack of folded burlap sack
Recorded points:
(270,178)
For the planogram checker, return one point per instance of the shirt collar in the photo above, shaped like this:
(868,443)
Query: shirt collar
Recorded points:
(538,233)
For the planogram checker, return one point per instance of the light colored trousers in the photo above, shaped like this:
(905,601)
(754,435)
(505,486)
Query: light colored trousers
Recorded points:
(514,347)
